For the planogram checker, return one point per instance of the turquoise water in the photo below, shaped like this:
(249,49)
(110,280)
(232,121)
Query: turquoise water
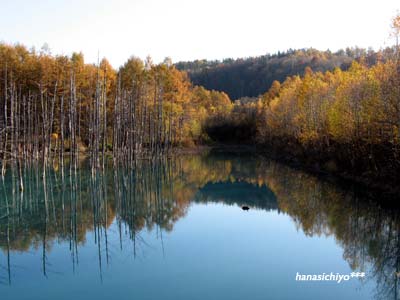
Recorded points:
(175,229)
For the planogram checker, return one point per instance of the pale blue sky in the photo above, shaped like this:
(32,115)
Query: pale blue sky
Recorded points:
(187,30)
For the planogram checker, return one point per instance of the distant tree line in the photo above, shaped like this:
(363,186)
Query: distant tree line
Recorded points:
(253,76)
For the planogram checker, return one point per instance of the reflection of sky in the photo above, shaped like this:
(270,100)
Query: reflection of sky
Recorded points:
(239,193)
(215,252)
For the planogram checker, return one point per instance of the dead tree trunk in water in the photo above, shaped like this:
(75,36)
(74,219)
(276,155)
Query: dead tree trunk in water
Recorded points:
(104,117)
(44,127)
(62,135)
(4,161)
(12,123)
(160,119)
(49,134)
(72,124)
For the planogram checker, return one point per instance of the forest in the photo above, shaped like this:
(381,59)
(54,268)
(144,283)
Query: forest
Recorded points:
(345,120)
(58,106)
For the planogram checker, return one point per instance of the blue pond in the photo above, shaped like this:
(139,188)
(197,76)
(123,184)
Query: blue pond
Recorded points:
(175,229)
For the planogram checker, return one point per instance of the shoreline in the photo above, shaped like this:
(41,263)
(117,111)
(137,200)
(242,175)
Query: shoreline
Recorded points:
(379,189)
(386,188)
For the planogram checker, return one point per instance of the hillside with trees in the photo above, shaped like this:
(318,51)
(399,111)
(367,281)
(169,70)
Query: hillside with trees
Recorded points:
(342,121)
(253,76)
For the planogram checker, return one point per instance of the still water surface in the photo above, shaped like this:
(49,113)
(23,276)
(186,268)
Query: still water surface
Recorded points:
(174,229)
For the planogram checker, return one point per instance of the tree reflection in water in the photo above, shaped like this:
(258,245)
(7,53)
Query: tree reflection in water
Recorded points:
(156,194)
